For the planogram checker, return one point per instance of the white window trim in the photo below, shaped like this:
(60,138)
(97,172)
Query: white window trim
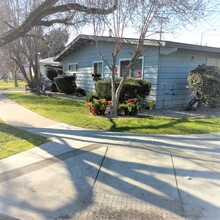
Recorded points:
(100,61)
(72,72)
(129,59)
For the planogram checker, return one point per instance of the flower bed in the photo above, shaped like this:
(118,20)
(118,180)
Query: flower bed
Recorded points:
(129,107)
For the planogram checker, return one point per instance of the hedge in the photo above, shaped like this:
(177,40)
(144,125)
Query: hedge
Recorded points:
(66,84)
(133,88)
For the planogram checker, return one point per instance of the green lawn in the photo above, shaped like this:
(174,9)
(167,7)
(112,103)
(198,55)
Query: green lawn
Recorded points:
(75,113)
(10,84)
(14,140)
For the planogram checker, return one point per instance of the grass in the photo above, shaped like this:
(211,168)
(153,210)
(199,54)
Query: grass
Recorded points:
(75,113)
(14,140)
(10,84)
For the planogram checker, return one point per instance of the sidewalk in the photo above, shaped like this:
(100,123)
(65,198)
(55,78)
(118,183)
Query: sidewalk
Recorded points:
(88,174)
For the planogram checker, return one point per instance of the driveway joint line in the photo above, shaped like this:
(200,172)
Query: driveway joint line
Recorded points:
(100,167)
(177,185)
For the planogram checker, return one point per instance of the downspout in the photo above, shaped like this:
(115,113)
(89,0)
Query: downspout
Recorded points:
(158,74)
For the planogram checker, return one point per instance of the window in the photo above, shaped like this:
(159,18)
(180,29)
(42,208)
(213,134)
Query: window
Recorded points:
(136,70)
(73,68)
(123,66)
(98,68)
(213,62)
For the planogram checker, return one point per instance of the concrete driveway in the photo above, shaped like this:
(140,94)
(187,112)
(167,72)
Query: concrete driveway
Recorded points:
(87,174)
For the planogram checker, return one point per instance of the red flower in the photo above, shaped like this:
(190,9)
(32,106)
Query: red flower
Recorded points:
(131,101)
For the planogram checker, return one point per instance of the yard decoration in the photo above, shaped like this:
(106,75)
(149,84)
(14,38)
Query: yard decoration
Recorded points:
(150,104)
(139,73)
(96,77)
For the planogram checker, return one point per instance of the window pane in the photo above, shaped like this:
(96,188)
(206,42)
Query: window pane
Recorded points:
(123,66)
(97,68)
(137,67)
(213,62)
(73,67)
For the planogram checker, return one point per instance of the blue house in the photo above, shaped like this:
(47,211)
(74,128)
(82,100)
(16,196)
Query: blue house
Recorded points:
(165,64)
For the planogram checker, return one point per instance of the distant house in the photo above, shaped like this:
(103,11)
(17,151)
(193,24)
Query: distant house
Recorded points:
(49,62)
(166,64)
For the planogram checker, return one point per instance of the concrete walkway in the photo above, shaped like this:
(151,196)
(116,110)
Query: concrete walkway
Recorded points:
(87,174)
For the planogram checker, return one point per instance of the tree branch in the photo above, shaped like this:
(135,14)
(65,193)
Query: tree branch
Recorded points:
(80,8)
(47,8)
(54,21)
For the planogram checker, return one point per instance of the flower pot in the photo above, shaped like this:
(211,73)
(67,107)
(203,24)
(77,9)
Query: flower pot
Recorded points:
(150,104)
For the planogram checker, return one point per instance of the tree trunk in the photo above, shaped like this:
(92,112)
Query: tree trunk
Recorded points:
(14,74)
(114,99)
(30,72)
(15,79)
(115,96)
(114,112)
(23,71)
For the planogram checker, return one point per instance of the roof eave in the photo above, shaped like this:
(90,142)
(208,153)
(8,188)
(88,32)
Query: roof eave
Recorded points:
(147,42)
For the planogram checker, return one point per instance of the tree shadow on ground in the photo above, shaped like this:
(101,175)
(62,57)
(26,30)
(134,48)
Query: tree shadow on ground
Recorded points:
(86,168)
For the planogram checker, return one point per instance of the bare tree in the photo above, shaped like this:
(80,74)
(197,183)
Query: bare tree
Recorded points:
(145,16)
(47,13)
(23,23)
(23,51)
(8,66)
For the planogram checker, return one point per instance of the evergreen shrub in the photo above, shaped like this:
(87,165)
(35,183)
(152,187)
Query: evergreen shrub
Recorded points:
(66,84)
(204,83)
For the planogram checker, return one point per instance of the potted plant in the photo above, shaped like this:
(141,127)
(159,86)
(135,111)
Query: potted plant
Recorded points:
(129,107)
(150,104)
(98,106)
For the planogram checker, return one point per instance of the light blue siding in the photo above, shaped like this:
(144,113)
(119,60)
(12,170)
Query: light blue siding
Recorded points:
(166,69)
(151,60)
(172,77)
(85,56)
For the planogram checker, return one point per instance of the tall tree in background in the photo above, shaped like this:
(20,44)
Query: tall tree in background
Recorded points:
(145,18)
(53,42)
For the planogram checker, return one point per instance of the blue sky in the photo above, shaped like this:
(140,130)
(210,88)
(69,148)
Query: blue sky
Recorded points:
(205,34)
(205,31)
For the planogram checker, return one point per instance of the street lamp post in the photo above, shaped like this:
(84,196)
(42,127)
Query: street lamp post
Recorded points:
(203,33)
